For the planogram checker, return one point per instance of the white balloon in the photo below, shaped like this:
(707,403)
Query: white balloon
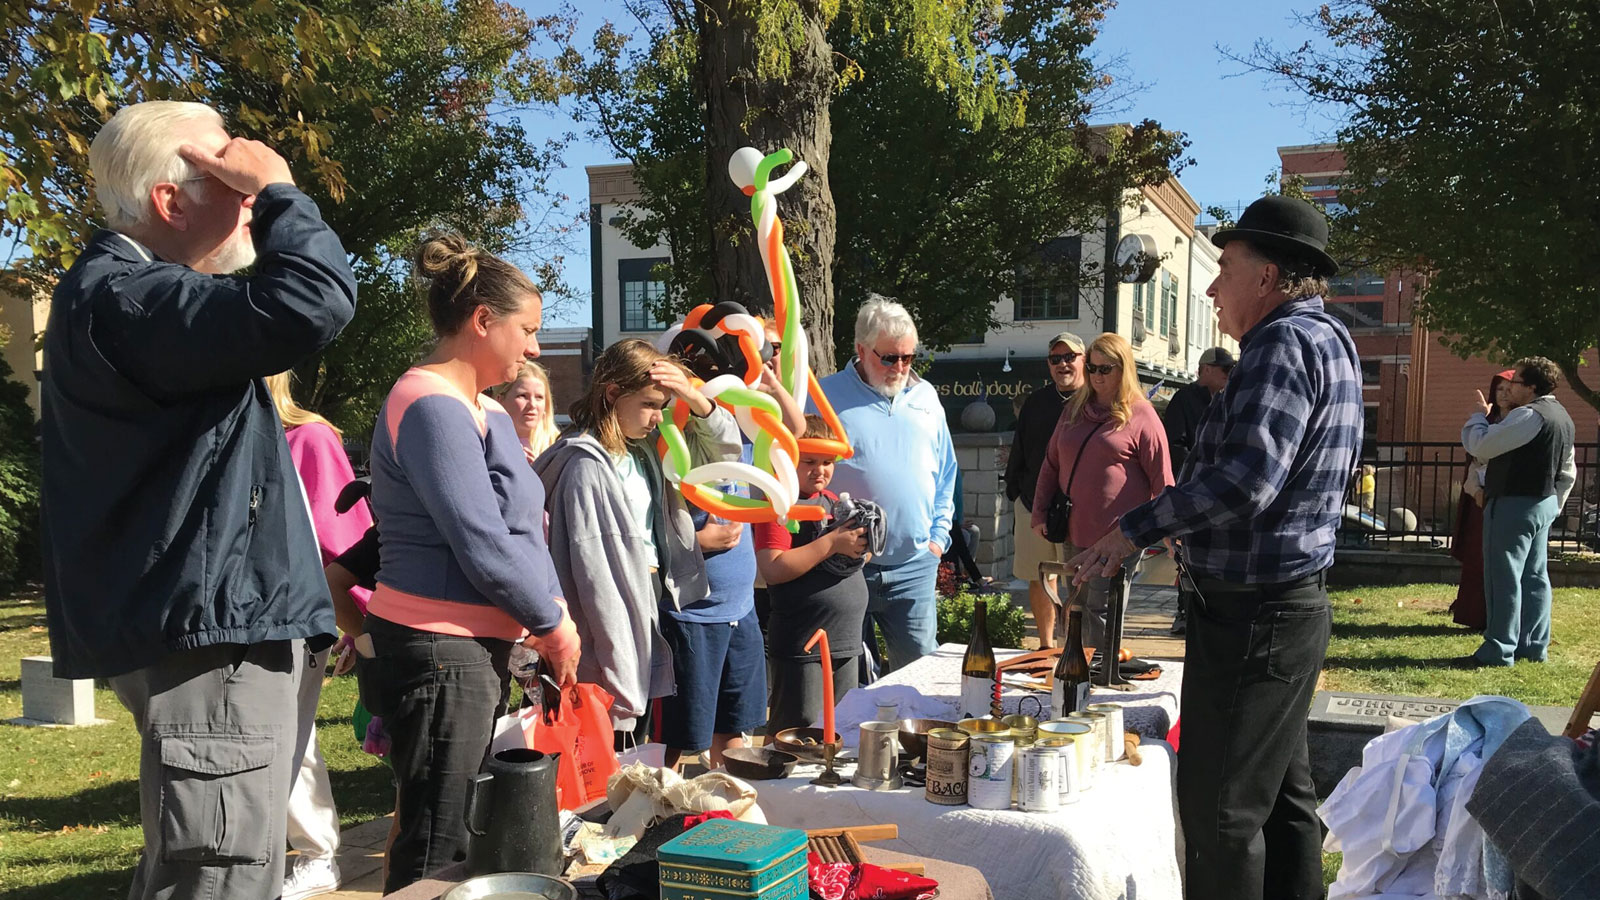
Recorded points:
(783,467)
(802,380)
(742,166)
(779,185)
(744,473)
(714,388)
(746,324)
(665,340)
(747,422)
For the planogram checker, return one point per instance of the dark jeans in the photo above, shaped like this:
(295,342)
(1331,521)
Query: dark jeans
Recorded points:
(1244,775)
(441,695)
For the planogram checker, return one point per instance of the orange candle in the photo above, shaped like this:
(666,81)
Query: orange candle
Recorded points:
(827,684)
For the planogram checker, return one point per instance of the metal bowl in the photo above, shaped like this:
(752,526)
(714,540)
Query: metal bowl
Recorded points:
(758,763)
(914,735)
(513,886)
(793,740)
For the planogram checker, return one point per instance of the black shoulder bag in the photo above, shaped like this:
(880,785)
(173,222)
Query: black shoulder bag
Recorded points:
(1060,511)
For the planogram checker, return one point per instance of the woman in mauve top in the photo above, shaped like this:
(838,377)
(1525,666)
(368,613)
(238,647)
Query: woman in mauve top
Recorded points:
(1123,461)
(464,568)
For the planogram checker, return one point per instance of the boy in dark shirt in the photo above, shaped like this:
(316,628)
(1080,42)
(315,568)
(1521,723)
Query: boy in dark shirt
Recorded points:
(807,595)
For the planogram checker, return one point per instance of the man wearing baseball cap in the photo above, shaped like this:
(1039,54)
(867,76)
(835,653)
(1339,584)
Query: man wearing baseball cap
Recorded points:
(1036,422)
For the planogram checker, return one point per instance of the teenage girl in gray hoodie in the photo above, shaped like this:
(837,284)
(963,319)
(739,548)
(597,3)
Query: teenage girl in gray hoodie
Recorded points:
(621,537)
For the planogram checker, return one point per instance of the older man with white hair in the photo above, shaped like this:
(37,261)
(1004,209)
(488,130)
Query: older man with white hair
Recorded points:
(179,555)
(905,462)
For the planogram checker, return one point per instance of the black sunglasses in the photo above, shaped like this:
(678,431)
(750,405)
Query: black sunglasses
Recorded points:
(894,359)
(1057,359)
(1093,369)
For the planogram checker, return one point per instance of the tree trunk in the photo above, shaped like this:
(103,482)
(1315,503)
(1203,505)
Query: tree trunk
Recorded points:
(769,114)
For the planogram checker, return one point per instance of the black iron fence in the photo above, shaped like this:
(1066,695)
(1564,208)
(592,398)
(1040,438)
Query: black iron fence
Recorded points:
(1415,496)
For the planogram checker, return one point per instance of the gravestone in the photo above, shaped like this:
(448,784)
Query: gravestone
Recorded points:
(48,700)
(1341,724)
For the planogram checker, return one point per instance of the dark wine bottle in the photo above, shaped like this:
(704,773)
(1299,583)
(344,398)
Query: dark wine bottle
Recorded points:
(978,666)
(1071,692)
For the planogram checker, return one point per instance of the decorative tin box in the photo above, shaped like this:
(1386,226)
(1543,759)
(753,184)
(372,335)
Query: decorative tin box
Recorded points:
(726,858)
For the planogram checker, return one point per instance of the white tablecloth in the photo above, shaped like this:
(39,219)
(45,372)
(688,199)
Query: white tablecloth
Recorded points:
(1151,706)
(1118,842)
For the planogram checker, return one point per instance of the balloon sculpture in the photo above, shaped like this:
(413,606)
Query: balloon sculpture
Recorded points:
(725,347)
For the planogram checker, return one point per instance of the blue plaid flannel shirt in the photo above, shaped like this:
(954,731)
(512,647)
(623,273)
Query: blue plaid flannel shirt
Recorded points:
(1261,495)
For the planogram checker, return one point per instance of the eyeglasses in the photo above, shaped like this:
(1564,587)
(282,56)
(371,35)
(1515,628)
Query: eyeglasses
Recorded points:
(894,359)
(1093,369)
(1057,359)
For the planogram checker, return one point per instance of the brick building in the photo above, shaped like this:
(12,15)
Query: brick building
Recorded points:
(568,354)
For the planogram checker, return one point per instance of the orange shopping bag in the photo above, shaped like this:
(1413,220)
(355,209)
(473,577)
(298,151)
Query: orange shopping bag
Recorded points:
(576,723)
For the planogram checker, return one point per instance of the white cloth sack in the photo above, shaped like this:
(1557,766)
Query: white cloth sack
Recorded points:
(1400,817)
(640,795)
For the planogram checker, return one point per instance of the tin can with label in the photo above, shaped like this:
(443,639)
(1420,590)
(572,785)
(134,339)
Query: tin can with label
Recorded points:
(1071,774)
(1038,779)
(1115,748)
(947,767)
(1023,728)
(1097,752)
(1082,734)
(990,763)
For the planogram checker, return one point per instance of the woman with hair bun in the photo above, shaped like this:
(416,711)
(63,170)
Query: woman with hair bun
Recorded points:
(531,404)
(465,571)
(628,547)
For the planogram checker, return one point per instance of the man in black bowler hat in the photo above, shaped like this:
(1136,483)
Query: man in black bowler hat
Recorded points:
(1256,510)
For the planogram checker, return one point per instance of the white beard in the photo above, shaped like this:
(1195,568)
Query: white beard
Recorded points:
(892,386)
(237,253)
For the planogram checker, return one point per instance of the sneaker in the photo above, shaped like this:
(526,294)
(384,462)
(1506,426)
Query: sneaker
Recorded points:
(309,876)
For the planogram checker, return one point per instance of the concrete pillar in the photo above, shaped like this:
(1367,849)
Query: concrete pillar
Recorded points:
(49,700)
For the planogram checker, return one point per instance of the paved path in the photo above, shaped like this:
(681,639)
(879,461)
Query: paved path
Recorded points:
(361,859)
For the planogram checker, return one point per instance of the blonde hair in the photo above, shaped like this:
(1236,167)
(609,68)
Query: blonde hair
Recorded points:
(137,150)
(547,432)
(290,413)
(626,366)
(1129,395)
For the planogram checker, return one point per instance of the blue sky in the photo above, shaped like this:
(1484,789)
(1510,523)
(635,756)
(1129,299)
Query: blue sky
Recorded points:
(1235,120)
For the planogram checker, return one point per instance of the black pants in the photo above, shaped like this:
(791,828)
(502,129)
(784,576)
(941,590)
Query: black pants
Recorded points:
(1244,775)
(441,695)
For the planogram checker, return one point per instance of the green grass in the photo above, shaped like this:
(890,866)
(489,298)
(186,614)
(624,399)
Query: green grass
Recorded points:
(69,797)
(1399,640)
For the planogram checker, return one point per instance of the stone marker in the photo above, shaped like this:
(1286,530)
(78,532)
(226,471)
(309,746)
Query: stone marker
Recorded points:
(48,700)
(1341,723)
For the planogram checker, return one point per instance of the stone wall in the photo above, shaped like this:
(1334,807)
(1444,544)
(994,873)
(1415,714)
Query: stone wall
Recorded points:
(982,458)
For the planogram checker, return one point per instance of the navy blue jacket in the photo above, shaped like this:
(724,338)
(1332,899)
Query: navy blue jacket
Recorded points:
(173,517)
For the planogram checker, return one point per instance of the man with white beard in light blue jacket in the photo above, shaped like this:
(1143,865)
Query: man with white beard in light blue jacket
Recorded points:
(905,462)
